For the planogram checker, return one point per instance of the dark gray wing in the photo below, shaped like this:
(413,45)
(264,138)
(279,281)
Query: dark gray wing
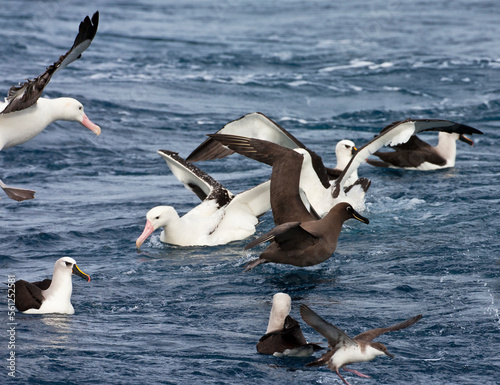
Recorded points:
(286,203)
(44,285)
(370,335)
(27,94)
(283,234)
(196,180)
(333,334)
(28,295)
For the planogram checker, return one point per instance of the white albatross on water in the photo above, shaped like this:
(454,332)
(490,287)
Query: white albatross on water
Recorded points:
(24,114)
(220,218)
(50,295)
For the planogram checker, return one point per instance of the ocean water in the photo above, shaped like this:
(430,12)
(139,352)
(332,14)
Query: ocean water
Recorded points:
(163,74)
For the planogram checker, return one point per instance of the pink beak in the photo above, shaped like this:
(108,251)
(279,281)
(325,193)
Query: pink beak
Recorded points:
(91,126)
(148,230)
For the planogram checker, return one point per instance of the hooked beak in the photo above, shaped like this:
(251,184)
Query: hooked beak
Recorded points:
(148,230)
(77,271)
(359,217)
(354,150)
(389,354)
(464,139)
(91,126)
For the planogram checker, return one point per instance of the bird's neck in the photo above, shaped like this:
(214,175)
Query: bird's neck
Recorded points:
(61,286)
(447,147)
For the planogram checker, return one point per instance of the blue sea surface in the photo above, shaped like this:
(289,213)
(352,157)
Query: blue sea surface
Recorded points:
(162,75)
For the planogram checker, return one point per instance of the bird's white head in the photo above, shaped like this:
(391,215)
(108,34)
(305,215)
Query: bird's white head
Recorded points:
(157,217)
(67,266)
(72,110)
(344,150)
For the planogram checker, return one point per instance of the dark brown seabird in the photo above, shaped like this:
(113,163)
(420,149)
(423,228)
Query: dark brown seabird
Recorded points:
(284,336)
(300,238)
(345,350)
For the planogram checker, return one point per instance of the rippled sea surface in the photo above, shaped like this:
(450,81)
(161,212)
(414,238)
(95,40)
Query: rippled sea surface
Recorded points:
(163,74)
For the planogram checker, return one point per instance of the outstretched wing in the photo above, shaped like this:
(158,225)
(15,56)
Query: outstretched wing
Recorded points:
(27,94)
(333,334)
(257,126)
(196,180)
(253,125)
(370,335)
(395,134)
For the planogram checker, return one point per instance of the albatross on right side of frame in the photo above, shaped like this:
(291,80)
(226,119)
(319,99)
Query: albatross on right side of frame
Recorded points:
(419,155)
(345,350)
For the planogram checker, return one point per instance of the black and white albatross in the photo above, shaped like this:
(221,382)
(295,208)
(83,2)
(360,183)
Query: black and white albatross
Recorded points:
(344,350)
(419,155)
(50,295)
(24,114)
(283,335)
(301,237)
(220,218)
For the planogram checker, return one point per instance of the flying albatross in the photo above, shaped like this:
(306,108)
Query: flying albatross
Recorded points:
(220,218)
(301,237)
(284,336)
(24,114)
(419,155)
(345,350)
(50,295)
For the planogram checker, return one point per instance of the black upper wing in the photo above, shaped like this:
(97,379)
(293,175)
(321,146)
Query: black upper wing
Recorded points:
(27,94)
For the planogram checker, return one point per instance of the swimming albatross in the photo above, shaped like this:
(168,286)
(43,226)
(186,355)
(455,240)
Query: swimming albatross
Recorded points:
(220,218)
(345,350)
(284,336)
(24,114)
(50,295)
(419,155)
